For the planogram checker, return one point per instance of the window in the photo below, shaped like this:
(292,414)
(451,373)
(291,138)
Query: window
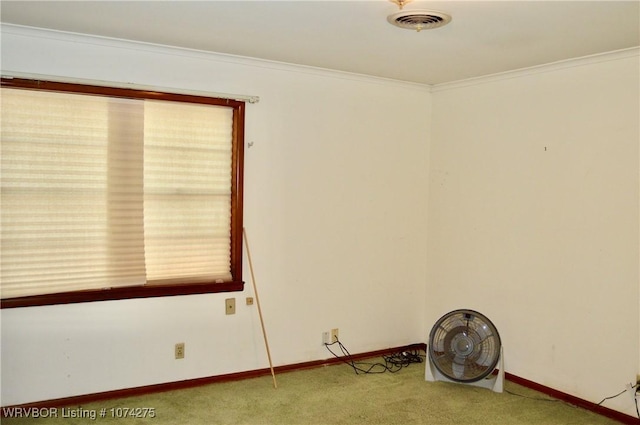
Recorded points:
(112,193)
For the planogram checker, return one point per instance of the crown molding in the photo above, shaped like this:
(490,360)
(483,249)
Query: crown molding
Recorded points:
(33,32)
(539,69)
(71,37)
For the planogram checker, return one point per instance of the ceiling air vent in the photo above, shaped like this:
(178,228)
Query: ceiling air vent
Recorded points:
(419,19)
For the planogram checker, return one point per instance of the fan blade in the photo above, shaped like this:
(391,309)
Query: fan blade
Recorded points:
(490,354)
(457,367)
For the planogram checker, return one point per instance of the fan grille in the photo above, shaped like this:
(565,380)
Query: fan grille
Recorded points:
(464,346)
(419,19)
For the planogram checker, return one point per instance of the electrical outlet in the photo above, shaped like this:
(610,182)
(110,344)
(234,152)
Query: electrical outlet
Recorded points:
(179,350)
(249,300)
(326,337)
(230,306)
(334,335)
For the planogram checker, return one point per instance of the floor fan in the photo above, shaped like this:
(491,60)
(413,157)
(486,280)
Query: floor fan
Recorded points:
(464,347)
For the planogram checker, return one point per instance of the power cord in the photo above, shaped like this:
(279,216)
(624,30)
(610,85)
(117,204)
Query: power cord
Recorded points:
(635,399)
(636,389)
(404,358)
(392,363)
(395,362)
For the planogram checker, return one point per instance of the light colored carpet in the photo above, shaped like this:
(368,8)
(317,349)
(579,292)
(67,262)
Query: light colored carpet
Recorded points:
(336,395)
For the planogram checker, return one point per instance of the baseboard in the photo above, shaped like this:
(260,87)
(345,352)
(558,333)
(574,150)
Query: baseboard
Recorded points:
(190,383)
(568,398)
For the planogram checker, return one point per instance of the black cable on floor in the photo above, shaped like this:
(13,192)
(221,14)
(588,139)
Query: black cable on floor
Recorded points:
(395,362)
(392,363)
(636,388)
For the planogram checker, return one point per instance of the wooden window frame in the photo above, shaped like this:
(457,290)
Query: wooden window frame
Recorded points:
(146,291)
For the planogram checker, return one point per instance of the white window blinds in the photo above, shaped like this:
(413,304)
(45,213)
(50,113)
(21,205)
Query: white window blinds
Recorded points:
(187,185)
(103,192)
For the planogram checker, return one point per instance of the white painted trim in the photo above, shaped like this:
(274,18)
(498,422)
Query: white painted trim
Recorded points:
(71,37)
(34,32)
(554,66)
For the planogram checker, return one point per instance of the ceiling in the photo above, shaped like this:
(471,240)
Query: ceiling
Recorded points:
(484,37)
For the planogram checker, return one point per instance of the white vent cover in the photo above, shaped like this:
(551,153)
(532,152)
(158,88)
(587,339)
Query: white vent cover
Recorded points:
(419,20)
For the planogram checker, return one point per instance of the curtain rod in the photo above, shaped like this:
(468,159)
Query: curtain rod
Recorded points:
(238,97)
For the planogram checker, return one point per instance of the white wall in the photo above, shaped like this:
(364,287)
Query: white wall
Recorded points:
(335,206)
(533,219)
(532,181)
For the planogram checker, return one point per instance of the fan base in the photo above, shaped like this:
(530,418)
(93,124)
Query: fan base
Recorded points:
(492,382)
